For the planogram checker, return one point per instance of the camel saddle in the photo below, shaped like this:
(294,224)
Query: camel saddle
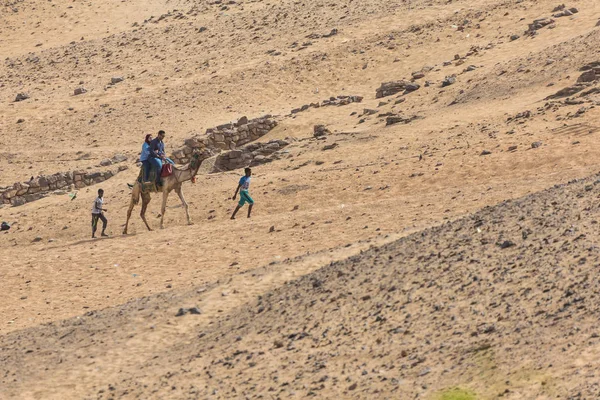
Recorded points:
(167,170)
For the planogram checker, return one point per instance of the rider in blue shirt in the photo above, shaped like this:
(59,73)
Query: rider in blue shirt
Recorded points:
(145,157)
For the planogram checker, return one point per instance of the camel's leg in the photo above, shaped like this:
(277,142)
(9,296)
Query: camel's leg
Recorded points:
(131,205)
(164,207)
(185,204)
(145,200)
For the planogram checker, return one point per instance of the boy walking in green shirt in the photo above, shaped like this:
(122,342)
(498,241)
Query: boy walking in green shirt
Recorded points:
(242,188)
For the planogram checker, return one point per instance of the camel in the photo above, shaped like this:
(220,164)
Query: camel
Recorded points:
(170,183)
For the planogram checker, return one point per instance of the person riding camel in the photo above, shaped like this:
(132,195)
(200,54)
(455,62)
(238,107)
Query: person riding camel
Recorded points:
(165,158)
(157,154)
(145,158)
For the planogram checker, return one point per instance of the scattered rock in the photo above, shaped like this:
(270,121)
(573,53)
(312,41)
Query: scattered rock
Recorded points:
(485,153)
(514,37)
(411,87)
(79,90)
(320,130)
(535,145)
(522,115)
(106,162)
(21,97)
(506,244)
(566,12)
(333,32)
(449,80)
(116,79)
(184,311)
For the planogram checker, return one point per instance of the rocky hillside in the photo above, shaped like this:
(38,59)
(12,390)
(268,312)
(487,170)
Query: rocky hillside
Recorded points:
(408,238)
(499,304)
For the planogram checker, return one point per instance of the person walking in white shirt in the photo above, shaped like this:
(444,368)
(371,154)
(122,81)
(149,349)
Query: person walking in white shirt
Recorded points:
(97,214)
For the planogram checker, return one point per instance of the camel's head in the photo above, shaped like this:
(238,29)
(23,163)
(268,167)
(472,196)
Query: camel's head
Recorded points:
(198,156)
(203,154)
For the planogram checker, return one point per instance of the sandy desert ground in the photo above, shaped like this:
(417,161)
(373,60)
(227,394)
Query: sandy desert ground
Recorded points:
(451,255)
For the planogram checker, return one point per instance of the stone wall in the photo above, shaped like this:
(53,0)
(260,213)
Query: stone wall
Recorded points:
(251,155)
(226,137)
(59,183)
(332,101)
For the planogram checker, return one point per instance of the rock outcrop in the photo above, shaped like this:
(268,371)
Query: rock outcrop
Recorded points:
(590,75)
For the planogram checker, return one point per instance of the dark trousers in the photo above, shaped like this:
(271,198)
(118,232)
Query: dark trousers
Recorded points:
(146,168)
(95,218)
